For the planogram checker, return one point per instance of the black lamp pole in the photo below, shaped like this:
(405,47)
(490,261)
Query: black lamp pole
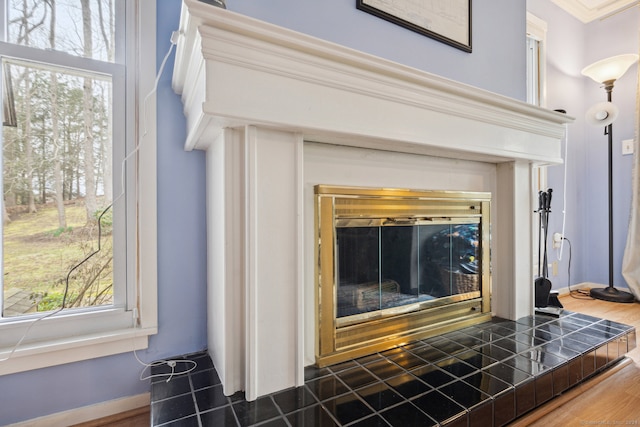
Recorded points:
(610,293)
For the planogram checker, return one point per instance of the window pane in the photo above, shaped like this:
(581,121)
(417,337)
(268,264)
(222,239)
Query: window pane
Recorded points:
(79,27)
(56,182)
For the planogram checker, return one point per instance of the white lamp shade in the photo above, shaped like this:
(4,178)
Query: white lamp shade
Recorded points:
(602,114)
(611,68)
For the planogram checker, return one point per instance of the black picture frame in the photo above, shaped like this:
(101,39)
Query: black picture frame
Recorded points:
(452,28)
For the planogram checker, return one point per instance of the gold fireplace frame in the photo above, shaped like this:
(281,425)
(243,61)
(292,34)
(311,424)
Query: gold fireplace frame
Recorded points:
(338,340)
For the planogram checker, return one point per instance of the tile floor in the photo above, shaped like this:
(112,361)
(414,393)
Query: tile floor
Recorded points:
(484,375)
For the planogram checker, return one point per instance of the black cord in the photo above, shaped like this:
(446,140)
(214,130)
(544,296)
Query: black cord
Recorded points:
(87,258)
(582,294)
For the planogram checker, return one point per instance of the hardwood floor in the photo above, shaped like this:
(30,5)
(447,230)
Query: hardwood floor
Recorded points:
(135,418)
(613,399)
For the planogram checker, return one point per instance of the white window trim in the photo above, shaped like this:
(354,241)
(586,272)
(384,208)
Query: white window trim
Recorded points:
(537,29)
(141,322)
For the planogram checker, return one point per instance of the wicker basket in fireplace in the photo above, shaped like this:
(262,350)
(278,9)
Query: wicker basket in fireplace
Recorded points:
(458,282)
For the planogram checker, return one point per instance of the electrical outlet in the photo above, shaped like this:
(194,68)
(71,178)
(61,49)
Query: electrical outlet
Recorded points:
(557,240)
(627,147)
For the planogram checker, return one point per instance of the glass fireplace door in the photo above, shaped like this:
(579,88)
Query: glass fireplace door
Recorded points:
(387,266)
(394,265)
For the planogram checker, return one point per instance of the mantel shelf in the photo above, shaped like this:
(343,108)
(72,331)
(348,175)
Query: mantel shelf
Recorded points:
(234,71)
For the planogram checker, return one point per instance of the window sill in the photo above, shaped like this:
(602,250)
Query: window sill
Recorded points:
(74,349)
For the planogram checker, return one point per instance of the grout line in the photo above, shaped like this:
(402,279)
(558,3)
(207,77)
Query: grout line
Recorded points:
(195,401)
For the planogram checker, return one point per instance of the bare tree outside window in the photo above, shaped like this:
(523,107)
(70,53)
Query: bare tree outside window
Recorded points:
(57,159)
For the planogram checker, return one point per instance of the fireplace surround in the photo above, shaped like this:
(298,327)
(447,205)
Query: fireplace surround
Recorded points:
(279,112)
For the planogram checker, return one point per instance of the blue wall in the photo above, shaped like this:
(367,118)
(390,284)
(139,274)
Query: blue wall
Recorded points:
(496,64)
(572,45)
(498,28)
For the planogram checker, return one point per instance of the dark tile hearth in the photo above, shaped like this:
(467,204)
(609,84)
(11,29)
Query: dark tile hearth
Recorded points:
(483,375)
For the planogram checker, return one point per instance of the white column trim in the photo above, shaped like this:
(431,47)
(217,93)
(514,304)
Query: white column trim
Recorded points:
(300,297)
(252,274)
(511,259)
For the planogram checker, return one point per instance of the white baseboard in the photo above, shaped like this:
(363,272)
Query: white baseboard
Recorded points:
(88,413)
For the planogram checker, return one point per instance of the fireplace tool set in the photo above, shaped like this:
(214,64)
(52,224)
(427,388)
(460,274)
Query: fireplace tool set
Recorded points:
(543,298)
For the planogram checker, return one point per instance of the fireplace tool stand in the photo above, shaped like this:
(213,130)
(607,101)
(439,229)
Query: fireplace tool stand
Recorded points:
(546,302)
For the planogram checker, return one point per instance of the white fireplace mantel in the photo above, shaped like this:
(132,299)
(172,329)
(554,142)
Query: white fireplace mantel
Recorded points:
(256,96)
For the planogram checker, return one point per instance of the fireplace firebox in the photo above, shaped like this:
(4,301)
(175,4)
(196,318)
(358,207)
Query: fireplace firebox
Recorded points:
(396,265)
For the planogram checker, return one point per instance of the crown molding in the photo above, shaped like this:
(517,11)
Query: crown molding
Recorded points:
(590,10)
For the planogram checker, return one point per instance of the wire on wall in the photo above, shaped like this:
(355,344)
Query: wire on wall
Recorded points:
(564,190)
(172,364)
(575,293)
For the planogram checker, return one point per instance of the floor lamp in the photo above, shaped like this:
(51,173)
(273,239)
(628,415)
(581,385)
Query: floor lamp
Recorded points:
(606,72)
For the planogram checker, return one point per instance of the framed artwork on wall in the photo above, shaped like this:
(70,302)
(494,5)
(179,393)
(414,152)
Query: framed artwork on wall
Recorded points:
(448,21)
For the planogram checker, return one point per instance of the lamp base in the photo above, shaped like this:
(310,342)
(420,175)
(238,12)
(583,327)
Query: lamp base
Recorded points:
(611,294)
